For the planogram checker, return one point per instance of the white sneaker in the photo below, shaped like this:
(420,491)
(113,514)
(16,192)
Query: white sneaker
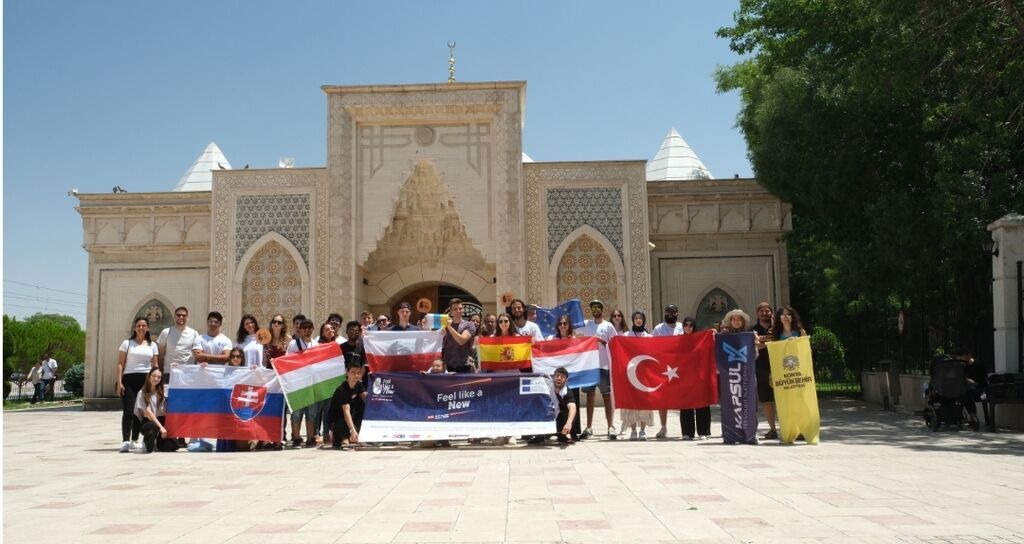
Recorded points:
(704,437)
(632,435)
(612,435)
(642,436)
(139,447)
(662,433)
(125,447)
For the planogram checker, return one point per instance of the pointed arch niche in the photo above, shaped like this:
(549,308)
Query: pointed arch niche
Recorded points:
(586,266)
(157,310)
(272,278)
(713,306)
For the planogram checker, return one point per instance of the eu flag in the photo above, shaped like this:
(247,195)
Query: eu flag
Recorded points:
(548,317)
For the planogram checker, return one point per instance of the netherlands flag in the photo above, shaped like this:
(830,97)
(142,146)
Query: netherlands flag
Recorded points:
(402,351)
(225,402)
(578,355)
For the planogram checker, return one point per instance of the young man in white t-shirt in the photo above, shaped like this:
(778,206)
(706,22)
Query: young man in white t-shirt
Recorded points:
(523,325)
(176,343)
(212,347)
(669,327)
(604,331)
(49,373)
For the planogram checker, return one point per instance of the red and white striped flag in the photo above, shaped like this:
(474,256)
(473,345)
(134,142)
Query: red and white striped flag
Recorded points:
(402,351)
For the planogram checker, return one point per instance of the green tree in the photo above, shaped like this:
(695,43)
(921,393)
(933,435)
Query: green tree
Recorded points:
(26,341)
(895,131)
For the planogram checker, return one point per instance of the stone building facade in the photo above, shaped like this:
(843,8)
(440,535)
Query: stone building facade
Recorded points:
(426,195)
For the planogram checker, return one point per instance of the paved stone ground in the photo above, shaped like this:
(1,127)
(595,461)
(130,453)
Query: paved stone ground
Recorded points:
(876,477)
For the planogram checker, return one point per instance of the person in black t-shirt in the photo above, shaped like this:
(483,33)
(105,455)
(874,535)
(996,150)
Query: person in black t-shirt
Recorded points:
(763,368)
(345,414)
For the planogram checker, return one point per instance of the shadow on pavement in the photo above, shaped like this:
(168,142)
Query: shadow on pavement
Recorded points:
(848,421)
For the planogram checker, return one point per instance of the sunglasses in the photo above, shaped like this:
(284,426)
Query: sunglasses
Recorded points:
(236,356)
(503,321)
(277,322)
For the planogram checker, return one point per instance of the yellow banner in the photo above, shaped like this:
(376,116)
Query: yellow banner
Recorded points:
(796,400)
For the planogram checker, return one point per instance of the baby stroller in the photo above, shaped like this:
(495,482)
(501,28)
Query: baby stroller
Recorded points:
(944,398)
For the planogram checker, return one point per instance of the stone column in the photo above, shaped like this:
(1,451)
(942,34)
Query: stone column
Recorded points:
(1008,234)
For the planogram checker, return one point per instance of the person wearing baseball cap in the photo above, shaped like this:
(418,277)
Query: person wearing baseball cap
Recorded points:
(604,331)
(404,312)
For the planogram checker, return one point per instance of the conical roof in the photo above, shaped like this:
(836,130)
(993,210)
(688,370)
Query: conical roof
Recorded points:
(676,160)
(200,176)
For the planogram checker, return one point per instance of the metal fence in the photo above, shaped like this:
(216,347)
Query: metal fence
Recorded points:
(22,391)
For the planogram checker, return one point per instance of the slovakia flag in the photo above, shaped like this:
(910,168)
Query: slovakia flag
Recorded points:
(664,372)
(225,402)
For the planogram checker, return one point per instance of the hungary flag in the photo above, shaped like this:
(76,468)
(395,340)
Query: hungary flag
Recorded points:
(311,375)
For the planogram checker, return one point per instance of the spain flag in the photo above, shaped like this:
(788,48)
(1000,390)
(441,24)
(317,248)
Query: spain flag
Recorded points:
(505,353)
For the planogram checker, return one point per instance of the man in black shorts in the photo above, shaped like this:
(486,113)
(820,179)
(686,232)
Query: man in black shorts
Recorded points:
(763,369)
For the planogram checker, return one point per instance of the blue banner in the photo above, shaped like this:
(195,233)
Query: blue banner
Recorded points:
(737,386)
(405,407)
(548,317)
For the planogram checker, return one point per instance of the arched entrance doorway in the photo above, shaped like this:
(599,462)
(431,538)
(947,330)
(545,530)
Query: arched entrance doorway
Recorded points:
(435,296)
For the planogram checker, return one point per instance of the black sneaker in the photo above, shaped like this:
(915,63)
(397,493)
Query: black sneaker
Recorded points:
(771,435)
(587,433)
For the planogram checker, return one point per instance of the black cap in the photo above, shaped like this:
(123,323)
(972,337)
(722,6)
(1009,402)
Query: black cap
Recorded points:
(404,305)
(672,307)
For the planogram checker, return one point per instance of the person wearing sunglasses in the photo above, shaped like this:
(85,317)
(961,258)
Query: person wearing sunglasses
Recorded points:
(279,339)
(175,343)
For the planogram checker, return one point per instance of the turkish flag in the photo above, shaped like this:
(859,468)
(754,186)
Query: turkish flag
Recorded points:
(664,372)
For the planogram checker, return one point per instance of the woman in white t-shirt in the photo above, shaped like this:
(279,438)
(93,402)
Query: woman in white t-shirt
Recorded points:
(150,408)
(135,358)
(246,339)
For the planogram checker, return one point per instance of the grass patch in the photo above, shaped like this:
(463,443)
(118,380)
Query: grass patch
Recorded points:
(15,405)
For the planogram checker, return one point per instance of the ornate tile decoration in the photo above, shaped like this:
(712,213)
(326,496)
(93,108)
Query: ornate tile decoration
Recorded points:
(272,285)
(568,209)
(285,214)
(586,272)
(625,177)
(229,187)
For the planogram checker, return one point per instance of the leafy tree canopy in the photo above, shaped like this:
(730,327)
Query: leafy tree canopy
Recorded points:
(26,341)
(895,131)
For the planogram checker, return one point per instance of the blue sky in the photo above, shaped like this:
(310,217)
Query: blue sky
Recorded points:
(98,94)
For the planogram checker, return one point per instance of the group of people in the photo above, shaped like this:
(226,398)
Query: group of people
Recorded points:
(142,365)
(43,376)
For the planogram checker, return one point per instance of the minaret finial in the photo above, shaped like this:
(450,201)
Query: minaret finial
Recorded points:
(451,62)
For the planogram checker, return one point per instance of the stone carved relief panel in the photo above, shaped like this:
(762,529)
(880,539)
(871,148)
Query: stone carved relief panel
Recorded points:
(586,272)
(272,284)
(499,108)
(227,188)
(425,227)
(285,214)
(568,209)
(386,157)
(737,216)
